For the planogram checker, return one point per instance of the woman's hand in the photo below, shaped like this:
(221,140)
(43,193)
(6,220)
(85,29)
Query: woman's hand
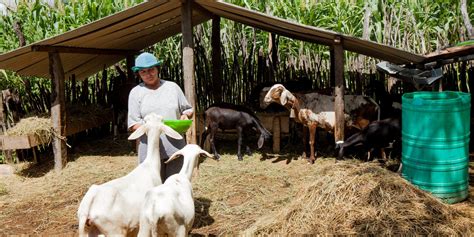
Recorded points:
(183,117)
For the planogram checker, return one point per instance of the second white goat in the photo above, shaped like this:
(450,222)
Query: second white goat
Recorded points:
(113,208)
(169,208)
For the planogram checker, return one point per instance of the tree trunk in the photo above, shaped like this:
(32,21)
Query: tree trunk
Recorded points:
(365,35)
(19,33)
(467,21)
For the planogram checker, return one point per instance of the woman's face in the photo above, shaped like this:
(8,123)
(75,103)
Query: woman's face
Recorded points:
(150,76)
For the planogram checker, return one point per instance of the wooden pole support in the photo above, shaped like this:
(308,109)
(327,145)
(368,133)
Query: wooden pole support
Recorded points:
(188,63)
(58,111)
(338,73)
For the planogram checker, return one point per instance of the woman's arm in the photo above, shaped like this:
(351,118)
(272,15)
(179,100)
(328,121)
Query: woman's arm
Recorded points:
(184,106)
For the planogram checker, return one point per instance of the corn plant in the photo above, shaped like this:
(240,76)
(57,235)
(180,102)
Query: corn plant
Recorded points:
(417,26)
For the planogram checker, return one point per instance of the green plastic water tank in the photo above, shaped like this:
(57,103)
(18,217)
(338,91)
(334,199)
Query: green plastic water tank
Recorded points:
(435,142)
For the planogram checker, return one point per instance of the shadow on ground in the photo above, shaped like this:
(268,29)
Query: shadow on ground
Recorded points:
(86,146)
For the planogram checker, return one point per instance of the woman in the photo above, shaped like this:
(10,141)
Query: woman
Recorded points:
(162,97)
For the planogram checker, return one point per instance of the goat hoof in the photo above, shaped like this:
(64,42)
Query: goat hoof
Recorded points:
(240,159)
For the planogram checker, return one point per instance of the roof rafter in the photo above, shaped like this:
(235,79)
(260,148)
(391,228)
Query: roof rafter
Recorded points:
(81,50)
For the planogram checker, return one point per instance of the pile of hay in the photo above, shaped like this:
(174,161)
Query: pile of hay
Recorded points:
(348,199)
(42,127)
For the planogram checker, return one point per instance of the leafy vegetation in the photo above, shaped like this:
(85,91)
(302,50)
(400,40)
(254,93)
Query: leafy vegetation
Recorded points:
(417,26)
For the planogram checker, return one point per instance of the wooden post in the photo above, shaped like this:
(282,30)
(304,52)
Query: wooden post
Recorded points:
(338,67)
(130,64)
(3,116)
(276,134)
(58,111)
(6,153)
(188,63)
(216,59)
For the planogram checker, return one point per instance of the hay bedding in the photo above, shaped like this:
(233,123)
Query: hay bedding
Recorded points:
(348,199)
(251,197)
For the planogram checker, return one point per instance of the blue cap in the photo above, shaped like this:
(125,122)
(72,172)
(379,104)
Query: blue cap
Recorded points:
(145,60)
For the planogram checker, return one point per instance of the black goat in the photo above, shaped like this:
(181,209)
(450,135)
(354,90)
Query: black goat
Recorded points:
(377,135)
(230,116)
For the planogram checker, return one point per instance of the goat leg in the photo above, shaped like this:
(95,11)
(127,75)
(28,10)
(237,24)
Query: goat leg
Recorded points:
(248,151)
(312,133)
(399,171)
(239,143)
(305,142)
(212,141)
(340,155)
(384,156)
(368,154)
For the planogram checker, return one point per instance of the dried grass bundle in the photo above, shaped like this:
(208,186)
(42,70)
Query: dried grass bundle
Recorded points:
(349,199)
(39,126)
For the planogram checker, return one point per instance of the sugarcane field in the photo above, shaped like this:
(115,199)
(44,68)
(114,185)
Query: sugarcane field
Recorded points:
(248,118)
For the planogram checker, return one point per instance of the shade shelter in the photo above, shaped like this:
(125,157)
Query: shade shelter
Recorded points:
(88,49)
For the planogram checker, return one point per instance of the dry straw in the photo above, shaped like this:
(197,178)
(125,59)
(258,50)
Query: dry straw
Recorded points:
(41,126)
(351,199)
(38,126)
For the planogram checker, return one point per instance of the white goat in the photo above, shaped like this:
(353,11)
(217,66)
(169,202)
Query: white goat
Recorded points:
(113,208)
(169,208)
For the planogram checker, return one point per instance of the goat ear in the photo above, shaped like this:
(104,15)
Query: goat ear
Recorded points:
(284,97)
(174,156)
(206,154)
(138,133)
(170,132)
(261,139)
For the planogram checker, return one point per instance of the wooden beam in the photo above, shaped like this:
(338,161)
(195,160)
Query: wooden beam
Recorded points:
(216,59)
(188,63)
(58,110)
(80,50)
(338,66)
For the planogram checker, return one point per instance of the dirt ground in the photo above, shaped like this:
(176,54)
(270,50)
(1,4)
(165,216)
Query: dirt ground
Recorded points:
(229,195)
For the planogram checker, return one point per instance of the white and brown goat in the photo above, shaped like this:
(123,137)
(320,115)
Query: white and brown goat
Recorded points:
(316,110)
